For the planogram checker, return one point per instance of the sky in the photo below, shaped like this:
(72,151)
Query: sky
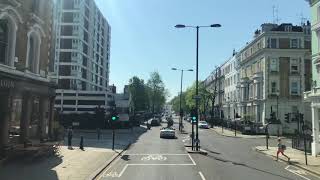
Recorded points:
(143,37)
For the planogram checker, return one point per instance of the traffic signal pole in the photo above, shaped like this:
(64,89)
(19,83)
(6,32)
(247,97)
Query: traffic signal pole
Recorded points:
(113,134)
(197,90)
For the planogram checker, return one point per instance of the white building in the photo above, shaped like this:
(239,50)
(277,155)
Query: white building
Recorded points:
(275,71)
(231,78)
(82,56)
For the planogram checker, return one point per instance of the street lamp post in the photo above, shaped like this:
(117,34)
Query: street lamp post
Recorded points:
(197,73)
(181,114)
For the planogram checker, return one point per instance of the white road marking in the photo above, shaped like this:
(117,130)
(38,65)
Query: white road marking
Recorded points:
(202,176)
(125,167)
(296,172)
(106,170)
(192,159)
(156,154)
(161,164)
(154,157)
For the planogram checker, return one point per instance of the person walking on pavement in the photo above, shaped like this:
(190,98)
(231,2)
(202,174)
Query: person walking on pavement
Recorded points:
(98,133)
(281,149)
(81,143)
(70,133)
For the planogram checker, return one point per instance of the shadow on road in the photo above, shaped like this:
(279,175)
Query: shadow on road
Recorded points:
(245,165)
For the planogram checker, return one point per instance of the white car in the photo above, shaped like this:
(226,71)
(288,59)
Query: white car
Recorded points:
(167,133)
(203,125)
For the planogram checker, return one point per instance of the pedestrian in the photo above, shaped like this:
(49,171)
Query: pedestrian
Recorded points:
(98,133)
(81,143)
(70,133)
(281,149)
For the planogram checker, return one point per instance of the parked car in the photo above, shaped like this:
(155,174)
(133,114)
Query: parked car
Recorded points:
(203,125)
(154,122)
(167,133)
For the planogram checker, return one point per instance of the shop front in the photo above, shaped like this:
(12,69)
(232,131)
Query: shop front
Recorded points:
(26,110)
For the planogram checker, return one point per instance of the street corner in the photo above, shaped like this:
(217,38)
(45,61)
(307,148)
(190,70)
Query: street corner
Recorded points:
(302,173)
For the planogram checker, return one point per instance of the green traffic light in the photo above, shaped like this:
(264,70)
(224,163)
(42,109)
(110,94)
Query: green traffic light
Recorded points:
(194,118)
(113,118)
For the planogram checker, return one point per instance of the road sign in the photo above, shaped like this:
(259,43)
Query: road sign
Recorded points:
(197,97)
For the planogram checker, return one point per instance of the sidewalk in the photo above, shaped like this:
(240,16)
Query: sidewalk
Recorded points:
(72,164)
(297,158)
(230,133)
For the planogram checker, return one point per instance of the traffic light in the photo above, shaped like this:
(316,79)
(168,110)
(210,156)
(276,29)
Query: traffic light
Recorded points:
(286,117)
(301,117)
(194,115)
(114,115)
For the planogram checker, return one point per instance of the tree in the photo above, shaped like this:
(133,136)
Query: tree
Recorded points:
(157,92)
(175,102)
(139,94)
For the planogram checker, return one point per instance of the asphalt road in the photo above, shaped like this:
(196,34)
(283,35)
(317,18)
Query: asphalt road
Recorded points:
(228,158)
(153,158)
(235,158)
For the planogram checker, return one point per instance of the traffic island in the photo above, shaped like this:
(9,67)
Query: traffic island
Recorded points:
(200,151)
(297,158)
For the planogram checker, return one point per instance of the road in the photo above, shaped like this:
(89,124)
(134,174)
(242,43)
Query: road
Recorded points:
(228,158)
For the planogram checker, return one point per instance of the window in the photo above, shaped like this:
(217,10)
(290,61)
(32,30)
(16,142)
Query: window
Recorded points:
(33,52)
(274,65)
(35,6)
(3,40)
(294,88)
(8,31)
(294,65)
(294,43)
(318,13)
(272,43)
(273,87)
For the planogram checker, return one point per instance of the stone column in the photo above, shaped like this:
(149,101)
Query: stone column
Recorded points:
(26,116)
(315,131)
(4,121)
(51,117)
(44,115)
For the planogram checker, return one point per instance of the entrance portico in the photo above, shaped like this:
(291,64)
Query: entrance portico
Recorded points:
(315,106)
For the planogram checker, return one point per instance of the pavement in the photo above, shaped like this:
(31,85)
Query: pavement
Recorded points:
(230,133)
(74,164)
(236,158)
(297,158)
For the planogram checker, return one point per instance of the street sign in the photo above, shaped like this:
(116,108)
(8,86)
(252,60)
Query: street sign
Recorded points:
(197,97)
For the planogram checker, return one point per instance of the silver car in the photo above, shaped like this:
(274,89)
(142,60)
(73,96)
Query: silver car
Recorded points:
(167,133)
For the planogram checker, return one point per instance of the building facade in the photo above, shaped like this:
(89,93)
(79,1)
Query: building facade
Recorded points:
(230,71)
(313,96)
(26,91)
(214,83)
(82,56)
(274,73)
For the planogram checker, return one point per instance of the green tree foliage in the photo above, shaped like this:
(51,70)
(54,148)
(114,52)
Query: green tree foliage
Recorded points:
(145,95)
(139,94)
(157,92)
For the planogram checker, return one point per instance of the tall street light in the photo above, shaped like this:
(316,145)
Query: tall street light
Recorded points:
(197,73)
(181,113)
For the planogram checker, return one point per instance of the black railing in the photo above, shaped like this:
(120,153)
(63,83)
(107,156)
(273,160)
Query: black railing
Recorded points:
(298,142)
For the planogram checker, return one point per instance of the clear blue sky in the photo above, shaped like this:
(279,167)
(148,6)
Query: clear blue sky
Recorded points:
(143,37)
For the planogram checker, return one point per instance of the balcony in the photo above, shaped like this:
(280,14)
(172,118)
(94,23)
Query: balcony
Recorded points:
(257,75)
(315,92)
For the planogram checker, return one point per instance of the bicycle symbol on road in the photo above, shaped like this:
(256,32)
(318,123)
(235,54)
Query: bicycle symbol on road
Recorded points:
(112,174)
(154,157)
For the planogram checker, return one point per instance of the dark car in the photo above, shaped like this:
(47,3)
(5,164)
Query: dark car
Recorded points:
(154,122)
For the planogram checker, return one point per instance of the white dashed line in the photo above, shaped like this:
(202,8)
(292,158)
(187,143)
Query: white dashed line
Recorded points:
(295,172)
(192,159)
(202,176)
(125,167)
(156,154)
(161,164)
